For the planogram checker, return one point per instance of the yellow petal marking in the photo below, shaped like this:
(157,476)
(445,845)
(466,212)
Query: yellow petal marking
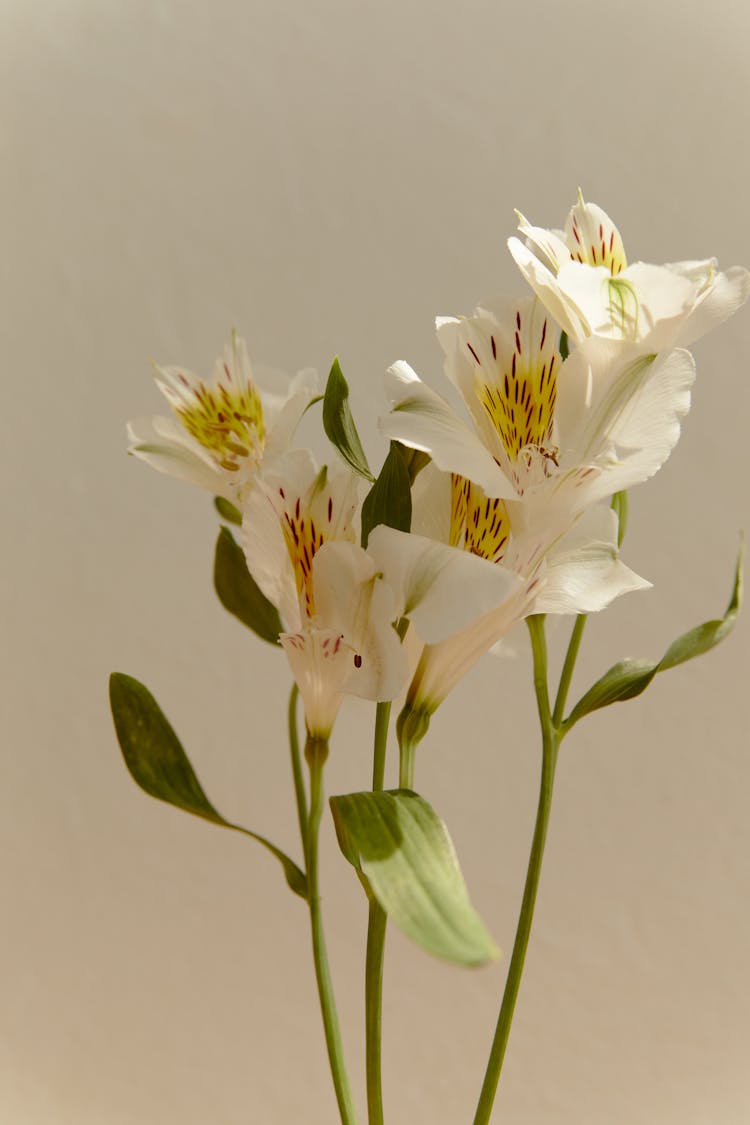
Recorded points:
(227,421)
(479,523)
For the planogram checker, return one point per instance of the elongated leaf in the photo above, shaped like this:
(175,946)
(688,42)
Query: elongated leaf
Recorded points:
(227,511)
(629,678)
(389,499)
(240,594)
(400,845)
(159,765)
(338,422)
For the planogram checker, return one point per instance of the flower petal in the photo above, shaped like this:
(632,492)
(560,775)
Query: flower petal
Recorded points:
(352,598)
(441,589)
(163,444)
(544,283)
(582,573)
(320,661)
(422,419)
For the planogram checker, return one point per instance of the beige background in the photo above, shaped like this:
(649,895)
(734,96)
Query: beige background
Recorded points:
(328,176)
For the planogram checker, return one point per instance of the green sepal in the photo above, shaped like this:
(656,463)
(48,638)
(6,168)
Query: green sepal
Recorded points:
(415,460)
(240,594)
(338,422)
(389,499)
(158,764)
(400,846)
(629,678)
(227,511)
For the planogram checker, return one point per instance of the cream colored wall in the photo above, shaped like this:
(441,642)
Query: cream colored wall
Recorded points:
(327,176)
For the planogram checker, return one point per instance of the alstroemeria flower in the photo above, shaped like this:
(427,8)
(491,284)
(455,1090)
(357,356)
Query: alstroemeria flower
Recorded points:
(223,430)
(536,571)
(547,438)
(300,544)
(582,276)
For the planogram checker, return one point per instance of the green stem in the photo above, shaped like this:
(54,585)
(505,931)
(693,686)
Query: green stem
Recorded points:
(567,670)
(316,752)
(299,781)
(376,927)
(550,746)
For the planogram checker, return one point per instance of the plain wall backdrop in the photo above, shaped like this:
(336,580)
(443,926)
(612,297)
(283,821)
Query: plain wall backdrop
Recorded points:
(327,177)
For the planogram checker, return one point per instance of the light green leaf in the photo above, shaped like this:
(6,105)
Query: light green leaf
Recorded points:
(389,499)
(338,422)
(629,678)
(159,765)
(402,848)
(240,594)
(227,510)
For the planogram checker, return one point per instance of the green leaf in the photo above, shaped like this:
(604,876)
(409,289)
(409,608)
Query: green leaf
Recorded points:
(338,422)
(159,765)
(399,844)
(389,499)
(240,594)
(629,678)
(227,511)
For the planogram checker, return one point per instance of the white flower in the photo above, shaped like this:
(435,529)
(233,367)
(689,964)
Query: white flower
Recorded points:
(583,278)
(499,580)
(549,438)
(223,430)
(300,544)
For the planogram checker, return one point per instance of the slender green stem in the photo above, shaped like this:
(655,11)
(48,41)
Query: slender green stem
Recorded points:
(406,764)
(550,746)
(376,927)
(316,752)
(567,670)
(299,780)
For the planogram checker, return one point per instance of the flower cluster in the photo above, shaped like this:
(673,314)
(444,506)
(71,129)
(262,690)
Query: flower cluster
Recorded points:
(570,395)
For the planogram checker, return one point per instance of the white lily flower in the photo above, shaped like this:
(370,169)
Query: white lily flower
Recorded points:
(300,544)
(223,430)
(583,278)
(549,438)
(576,571)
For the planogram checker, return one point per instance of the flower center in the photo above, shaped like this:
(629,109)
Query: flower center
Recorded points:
(479,523)
(226,420)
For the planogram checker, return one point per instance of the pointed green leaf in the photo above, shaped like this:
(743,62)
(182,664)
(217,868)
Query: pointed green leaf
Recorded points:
(629,678)
(159,765)
(227,511)
(389,499)
(240,594)
(338,422)
(399,844)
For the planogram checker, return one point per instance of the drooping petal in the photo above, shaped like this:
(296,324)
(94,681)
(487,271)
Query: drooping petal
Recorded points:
(440,588)
(549,244)
(582,572)
(284,414)
(721,295)
(422,419)
(352,598)
(165,446)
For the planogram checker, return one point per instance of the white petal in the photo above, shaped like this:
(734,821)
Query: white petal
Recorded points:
(283,417)
(549,244)
(320,661)
(352,598)
(267,555)
(164,445)
(546,286)
(440,588)
(720,299)
(422,419)
(431,504)
(582,573)
(619,411)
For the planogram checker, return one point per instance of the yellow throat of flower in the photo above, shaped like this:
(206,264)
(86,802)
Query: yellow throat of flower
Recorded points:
(227,421)
(479,524)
